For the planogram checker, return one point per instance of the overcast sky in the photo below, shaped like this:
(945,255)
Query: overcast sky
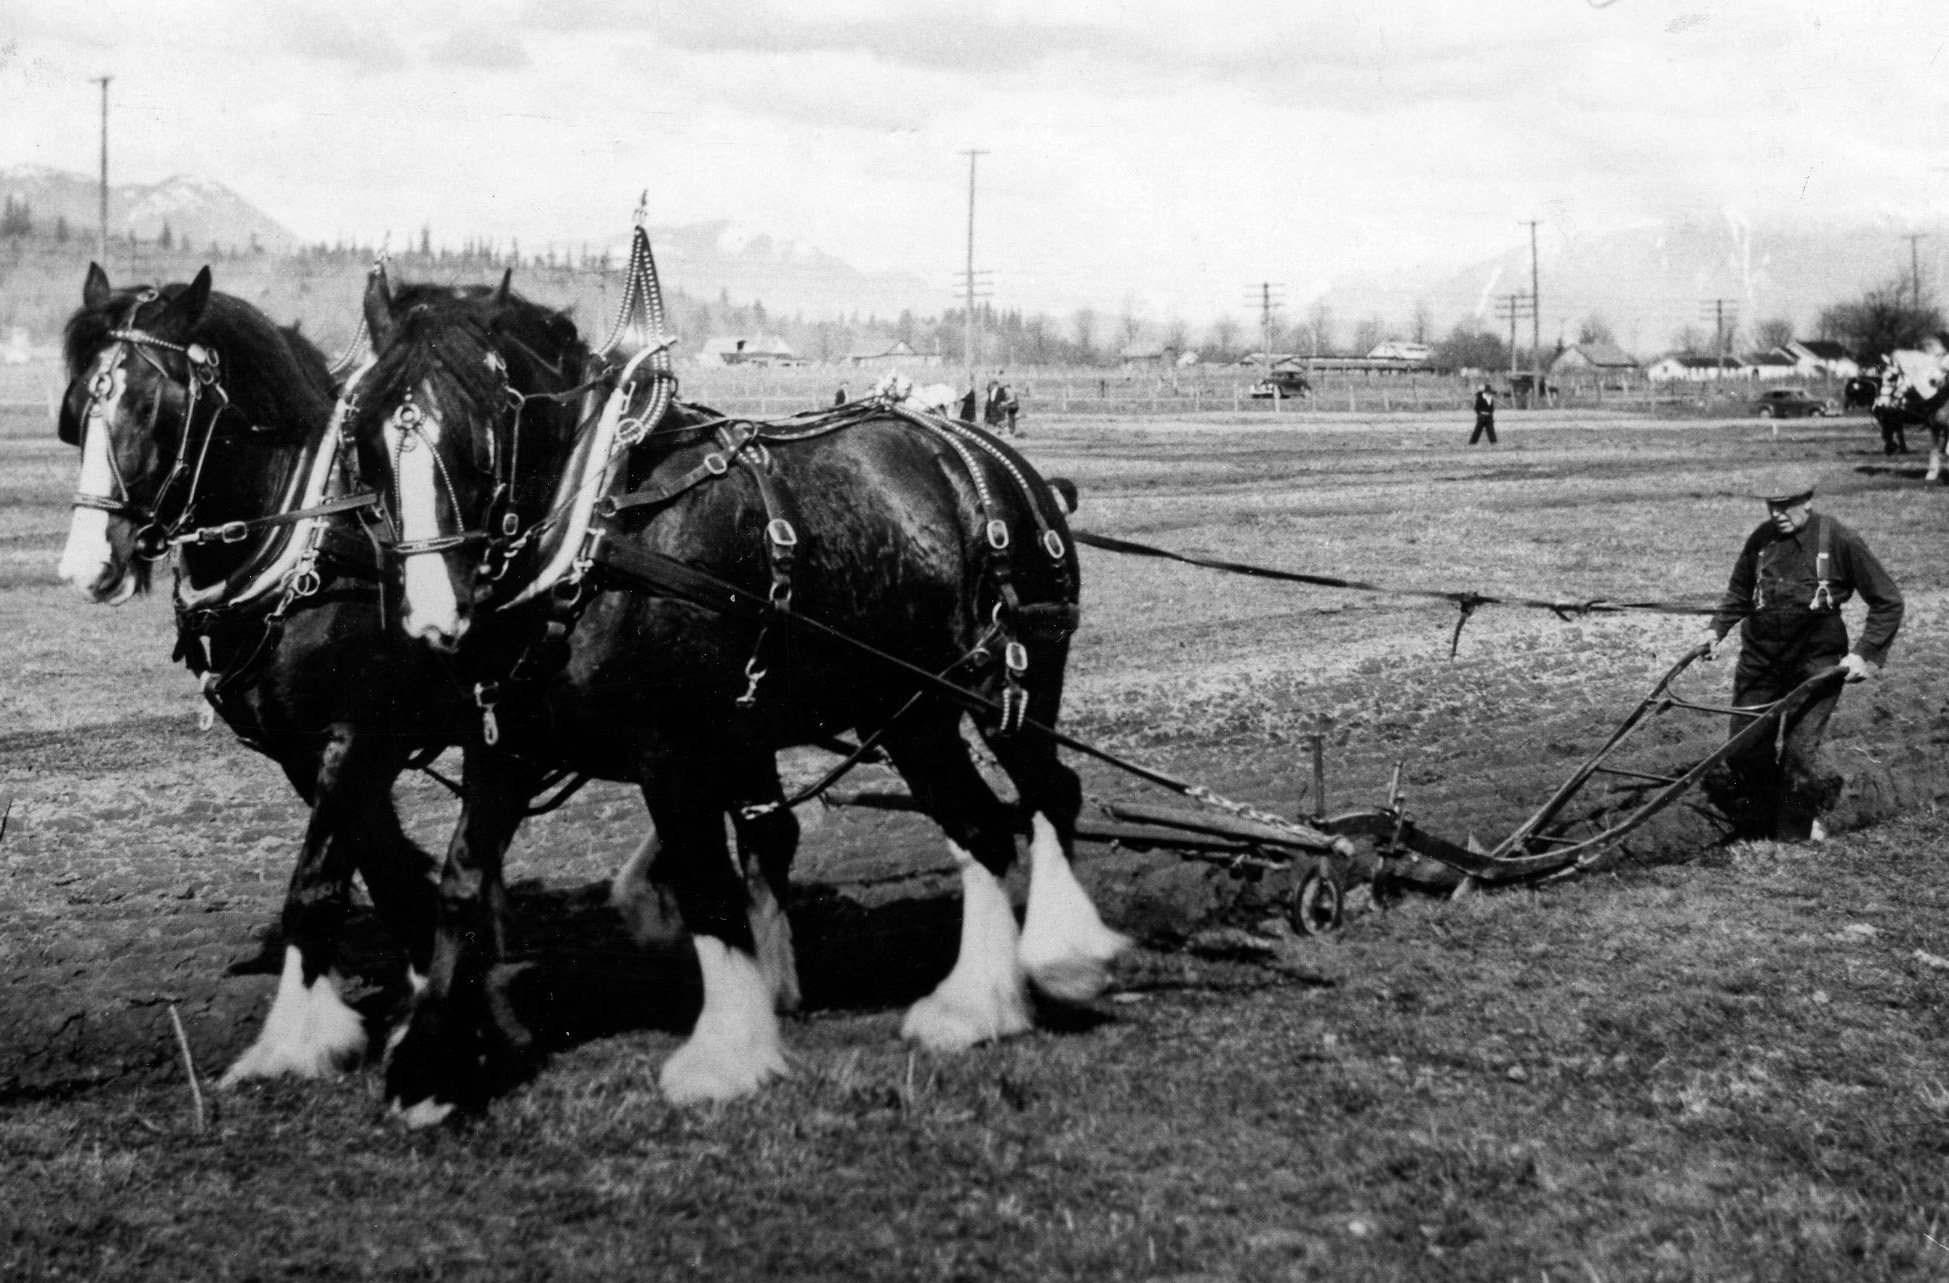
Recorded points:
(1159,157)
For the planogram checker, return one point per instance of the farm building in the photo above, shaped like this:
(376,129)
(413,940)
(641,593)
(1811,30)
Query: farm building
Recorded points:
(1679,368)
(1146,354)
(1772,365)
(764,349)
(1402,350)
(887,356)
(1593,358)
(1818,358)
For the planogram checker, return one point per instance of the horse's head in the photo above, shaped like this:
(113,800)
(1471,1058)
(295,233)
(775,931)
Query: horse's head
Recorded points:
(150,391)
(455,424)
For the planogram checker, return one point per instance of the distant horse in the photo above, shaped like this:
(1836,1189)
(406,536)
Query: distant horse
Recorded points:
(929,541)
(1915,385)
(206,430)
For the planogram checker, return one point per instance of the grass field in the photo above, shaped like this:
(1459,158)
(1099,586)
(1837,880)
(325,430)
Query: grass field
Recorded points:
(1711,1062)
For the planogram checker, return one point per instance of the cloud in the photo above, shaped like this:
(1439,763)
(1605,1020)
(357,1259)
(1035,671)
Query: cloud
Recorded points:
(471,47)
(325,35)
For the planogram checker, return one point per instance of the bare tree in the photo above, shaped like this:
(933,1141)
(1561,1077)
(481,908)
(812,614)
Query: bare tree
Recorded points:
(1595,329)
(1224,337)
(1692,341)
(1319,327)
(1368,335)
(1422,325)
(1083,325)
(1777,332)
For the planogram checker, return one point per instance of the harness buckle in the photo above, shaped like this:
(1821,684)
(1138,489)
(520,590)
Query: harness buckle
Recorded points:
(716,464)
(1016,656)
(233,531)
(510,524)
(781,534)
(1052,544)
(998,535)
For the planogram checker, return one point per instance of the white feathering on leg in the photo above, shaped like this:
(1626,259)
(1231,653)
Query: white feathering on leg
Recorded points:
(984,997)
(1066,949)
(734,1049)
(771,931)
(309,1033)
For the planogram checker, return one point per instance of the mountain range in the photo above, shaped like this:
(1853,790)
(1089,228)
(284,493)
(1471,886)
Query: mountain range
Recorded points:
(707,260)
(1646,283)
(1649,282)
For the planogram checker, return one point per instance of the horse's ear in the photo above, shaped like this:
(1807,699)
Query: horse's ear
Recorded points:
(186,309)
(502,295)
(378,307)
(96,289)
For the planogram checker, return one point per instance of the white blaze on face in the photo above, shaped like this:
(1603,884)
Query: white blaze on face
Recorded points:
(88,556)
(431,611)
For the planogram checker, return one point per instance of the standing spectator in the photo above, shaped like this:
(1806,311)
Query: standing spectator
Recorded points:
(968,404)
(1485,415)
(1785,595)
(994,407)
(839,397)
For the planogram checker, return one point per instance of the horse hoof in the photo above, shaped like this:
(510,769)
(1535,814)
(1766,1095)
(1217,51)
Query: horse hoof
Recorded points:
(422,1114)
(954,1023)
(705,1076)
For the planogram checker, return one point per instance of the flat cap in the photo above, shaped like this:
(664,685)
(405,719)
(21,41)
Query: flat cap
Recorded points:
(1784,485)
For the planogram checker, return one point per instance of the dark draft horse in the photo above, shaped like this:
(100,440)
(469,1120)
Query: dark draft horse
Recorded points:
(899,539)
(1915,386)
(203,428)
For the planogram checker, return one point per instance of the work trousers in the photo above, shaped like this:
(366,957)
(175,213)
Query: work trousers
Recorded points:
(1484,423)
(1780,787)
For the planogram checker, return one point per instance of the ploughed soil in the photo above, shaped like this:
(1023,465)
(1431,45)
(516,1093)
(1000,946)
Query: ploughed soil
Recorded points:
(142,860)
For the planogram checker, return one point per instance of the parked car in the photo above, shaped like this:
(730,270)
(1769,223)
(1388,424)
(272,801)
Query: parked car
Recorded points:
(1287,383)
(1792,403)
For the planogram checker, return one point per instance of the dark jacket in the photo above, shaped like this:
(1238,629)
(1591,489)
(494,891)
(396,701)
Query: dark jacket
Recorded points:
(1776,580)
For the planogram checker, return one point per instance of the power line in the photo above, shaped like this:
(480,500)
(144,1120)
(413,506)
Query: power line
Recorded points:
(971,153)
(1514,307)
(1914,269)
(1717,310)
(102,227)
(1266,304)
(1535,305)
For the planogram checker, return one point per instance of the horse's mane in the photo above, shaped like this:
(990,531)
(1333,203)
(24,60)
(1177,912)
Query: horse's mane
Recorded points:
(442,337)
(271,372)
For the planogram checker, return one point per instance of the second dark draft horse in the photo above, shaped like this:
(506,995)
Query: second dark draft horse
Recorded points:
(934,544)
(206,430)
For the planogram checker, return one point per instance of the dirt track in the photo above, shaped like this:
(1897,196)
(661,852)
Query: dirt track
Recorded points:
(141,858)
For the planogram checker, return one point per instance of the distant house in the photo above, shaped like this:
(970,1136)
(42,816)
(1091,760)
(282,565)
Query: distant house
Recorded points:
(1697,369)
(1146,354)
(1821,358)
(1775,365)
(885,356)
(764,349)
(1403,351)
(1593,358)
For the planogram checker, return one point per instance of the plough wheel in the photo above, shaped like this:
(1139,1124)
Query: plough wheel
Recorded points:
(1317,903)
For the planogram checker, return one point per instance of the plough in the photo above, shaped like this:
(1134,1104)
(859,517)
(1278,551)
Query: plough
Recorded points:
(1381,849)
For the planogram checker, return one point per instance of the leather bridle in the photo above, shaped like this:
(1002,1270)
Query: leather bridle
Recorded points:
(154,537)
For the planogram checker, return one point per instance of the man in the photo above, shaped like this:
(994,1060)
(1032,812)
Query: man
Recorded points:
(1792,577)
(1485,415)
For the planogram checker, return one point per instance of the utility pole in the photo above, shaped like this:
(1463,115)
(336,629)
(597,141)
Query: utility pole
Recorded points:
(1914,270)
(970,332)
(1718,311)
(1263,296)
(1535,306)
(101,240)
(1515,307)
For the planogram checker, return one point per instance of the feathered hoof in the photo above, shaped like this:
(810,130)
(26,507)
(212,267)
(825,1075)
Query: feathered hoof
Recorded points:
(953,1022)
(423,1114)
(706,1071)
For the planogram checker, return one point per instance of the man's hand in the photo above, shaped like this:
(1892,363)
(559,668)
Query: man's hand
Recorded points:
(1858,669)
(1711,642)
